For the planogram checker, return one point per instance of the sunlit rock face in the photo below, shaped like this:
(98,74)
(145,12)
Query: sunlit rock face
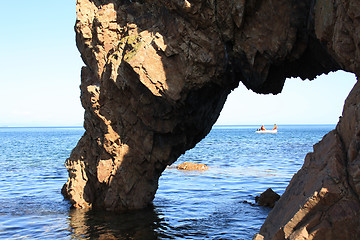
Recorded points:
(158,73)
(322,199)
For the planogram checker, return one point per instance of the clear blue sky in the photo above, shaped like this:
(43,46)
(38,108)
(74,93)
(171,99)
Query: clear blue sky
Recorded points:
(301,102)
(39,64)
(40,77)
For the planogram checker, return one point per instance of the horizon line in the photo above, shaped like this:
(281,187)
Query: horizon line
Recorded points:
(78,126)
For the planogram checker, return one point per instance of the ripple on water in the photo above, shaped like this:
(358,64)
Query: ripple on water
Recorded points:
(213,204)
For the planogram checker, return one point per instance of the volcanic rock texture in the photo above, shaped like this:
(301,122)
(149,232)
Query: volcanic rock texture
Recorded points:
(158,73)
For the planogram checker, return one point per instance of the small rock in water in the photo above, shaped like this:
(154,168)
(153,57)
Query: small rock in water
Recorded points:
(267,198)
(258,237)
(189,166)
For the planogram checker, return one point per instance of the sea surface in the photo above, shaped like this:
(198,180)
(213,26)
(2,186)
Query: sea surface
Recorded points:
(214,204)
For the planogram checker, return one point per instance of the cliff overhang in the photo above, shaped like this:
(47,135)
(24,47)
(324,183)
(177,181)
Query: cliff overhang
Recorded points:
(158,73)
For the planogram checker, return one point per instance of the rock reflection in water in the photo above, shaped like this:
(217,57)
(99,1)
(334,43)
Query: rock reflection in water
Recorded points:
(92,224)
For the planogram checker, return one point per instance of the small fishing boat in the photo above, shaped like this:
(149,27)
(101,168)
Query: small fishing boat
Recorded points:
(267,131)
(263,130)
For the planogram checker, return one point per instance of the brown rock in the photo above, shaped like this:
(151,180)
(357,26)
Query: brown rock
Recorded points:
(322,199)
(319,202)
(158,73)
(189,166)
(258,237)
(267,198)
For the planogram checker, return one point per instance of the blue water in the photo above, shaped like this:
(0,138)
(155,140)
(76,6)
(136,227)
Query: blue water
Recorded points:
(215,204)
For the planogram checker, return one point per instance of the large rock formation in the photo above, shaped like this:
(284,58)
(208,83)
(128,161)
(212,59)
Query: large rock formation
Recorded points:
(158,73)
(322,200)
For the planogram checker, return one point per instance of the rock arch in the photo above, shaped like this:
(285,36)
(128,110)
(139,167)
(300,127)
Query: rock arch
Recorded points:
(158,73)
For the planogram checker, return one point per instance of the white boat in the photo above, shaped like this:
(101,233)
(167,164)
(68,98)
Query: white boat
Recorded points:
(267,131)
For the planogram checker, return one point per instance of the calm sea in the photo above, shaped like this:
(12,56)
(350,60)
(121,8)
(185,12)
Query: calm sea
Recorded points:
(215,204)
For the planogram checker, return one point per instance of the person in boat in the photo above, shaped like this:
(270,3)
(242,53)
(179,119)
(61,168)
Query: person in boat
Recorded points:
(262,128)
(275,127)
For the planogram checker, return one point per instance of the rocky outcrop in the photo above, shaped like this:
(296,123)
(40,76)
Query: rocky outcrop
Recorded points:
(322,200)
(267,198)
(189,166)
(158,73)
(152,88)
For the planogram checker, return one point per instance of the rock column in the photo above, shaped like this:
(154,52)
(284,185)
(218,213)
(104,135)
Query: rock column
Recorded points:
(152,88)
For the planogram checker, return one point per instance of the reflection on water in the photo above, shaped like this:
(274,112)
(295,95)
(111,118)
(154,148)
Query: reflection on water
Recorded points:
(213,204)
(106,225)
(149,224)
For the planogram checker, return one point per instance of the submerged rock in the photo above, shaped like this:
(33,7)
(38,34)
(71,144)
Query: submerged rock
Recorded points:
(267,198)
(189,166)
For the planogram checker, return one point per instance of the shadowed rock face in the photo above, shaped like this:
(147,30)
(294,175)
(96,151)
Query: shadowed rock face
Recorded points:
(158,73)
